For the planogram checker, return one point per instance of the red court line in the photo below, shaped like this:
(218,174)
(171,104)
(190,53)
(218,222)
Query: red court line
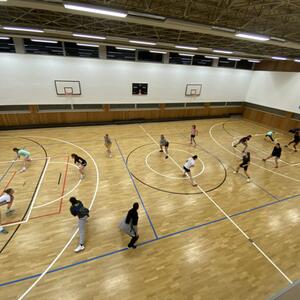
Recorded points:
(9,181)
(62,193)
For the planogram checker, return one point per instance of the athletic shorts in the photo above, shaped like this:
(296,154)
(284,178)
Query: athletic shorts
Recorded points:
(167,144)
(245,167)
(186,170)
(296,142)
(83,165)
(192,135)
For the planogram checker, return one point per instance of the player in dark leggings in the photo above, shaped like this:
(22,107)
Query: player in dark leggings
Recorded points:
(244,141)
(275,153)
(295,141)
(244,164)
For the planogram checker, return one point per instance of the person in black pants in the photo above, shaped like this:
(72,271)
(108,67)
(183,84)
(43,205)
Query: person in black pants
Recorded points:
(275,153)
(244,164)
(295,141)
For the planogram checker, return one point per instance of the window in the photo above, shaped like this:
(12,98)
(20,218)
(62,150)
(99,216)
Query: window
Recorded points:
(14,109)
(175,58)
(201,60)
(121,106)
(234,103)
(195,104)
(7,44)
(114,53)
(148,56)
(244,64)
(174,105)
(87,107)
(43,48)
(217,104)
(72,49)
(55,107)
(148,106)
(224,62)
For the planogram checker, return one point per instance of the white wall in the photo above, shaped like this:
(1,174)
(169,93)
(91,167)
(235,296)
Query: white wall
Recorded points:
(279,90)
(29,79)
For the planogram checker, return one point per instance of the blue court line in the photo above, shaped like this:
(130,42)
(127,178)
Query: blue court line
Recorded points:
(147,242)
(137,191)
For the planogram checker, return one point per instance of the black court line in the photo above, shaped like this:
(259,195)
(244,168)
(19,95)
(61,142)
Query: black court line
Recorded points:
(7,170)
(178,193)
(59,179)
(19,225)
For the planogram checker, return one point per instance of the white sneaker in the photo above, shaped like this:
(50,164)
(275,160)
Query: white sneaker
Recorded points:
(3,230)
(248,179)
(82,176)
(23,170)
(79,248)
(234,172)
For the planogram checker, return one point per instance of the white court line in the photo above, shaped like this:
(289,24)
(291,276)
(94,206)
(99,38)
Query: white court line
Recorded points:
(282,175)
(173,177)
(74,234)
(64,195)
(233,222)
(33,200)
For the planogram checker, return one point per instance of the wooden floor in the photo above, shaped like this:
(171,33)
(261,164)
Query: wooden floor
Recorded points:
(236,240)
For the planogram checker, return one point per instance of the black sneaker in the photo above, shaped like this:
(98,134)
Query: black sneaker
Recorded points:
(161,151)
(166,156)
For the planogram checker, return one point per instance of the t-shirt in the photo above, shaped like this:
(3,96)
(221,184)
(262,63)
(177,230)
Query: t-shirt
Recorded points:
(107,140)
(163,141)
(269,133)
(276,152)
(244,139)
(246,159)
(79,210)
(133,216)
(189,163)
(296,138)
(23,152)
(193,131)
(80,160)
(5,198)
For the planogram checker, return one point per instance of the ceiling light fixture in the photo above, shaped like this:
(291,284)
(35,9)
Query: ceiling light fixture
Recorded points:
(23,29)
(145,15)
(222,29)
(87,45)
(4,38)
(44,41)
(222,51)
(297,60)
(251,36)
(158,52)
(233,59)
(211,57)
(279,58)
(142,42)
(186,47)
(254,61)
(89,36)
(277,39)
(124,48)
(95,10)
(186,54)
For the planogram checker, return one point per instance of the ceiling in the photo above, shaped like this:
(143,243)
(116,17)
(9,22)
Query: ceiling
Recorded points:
(186,22)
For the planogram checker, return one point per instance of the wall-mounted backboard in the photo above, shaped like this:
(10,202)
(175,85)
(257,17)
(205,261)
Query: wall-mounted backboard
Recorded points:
(193,89)
(67,87)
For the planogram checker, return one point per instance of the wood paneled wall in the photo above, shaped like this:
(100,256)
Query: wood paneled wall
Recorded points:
(282,66)
(55,118)
(284,123)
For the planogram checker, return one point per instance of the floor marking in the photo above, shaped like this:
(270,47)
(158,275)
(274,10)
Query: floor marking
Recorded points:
(233,222)
(220,145)
(173,177)
(15,281)
(59,177)
(74,234)
(137,191)
(7,170)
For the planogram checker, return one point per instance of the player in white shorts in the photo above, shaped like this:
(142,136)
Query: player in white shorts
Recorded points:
(108,144)
(190,163)
(24,153)
(6,198)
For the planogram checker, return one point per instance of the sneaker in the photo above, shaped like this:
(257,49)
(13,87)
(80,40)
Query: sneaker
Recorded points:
(131,246)
(81,176)
(248,179)
(264,159)
(9,211)
(285,145)
(4,231)
(79,248)
(23,170)
(234,172)
(161,151)
(166,156)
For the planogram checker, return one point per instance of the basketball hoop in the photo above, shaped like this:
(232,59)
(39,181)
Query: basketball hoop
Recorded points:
(68,91)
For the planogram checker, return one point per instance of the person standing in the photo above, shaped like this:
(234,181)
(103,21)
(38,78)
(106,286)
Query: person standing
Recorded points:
(108,144)
(80,163)
(164,143)
(295,141)
(78,210)
(190,163)
(244,141)
(194,132)
(275,153)
(130,225)
(24,153)
(244,164)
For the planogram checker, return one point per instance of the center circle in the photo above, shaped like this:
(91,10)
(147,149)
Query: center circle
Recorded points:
(174,177)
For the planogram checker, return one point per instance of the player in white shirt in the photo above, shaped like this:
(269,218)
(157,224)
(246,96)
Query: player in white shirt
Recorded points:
(108,144)
(190,163)
(6,198)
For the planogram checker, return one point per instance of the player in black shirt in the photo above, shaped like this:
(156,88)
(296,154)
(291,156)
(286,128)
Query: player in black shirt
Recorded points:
(80,163)
(295,141)
(244,164)
(275,153)
(243,141)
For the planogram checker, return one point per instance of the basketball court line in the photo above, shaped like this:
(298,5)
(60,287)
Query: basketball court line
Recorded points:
(220,145)
(230,219)
(76,231)
(137,191)
(107,254)
(7,170)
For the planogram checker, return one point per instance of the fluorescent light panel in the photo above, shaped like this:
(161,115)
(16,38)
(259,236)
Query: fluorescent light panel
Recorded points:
(297,60)
(223,29)
(233,59)
(4,38)
(254,60)
(279,58)
(251,36)
(89,36)
(124,48)
(211,57)
(87,45)
(186,54)
(142,42)
(44,41)
(159,52)
(186,47)
(23,29)
(222,51)
(95,10)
